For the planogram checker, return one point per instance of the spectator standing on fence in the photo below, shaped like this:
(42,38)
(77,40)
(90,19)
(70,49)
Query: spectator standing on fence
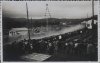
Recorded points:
(90,50)
(55,47)
(71,47)
(76,48)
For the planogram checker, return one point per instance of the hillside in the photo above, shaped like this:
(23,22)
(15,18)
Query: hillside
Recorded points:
(9,23)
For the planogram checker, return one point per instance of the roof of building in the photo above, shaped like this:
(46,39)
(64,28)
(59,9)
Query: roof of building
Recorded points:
(19,29)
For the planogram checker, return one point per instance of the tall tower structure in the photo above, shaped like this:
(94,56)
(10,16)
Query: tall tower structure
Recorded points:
(47,16)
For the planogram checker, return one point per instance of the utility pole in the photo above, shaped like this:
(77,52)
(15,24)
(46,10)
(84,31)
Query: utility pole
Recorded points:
(92,14)
(28,22)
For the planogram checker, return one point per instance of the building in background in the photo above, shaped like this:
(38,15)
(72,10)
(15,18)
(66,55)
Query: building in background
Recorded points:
(18,32)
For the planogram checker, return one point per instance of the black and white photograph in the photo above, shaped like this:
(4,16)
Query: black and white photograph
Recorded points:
(50,31)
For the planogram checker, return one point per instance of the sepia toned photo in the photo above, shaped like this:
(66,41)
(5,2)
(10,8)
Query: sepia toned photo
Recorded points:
(49,31)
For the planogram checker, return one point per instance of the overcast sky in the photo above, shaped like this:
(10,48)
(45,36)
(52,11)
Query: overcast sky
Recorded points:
(58,9)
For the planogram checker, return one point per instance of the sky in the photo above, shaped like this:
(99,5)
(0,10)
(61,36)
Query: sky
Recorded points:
(58,9)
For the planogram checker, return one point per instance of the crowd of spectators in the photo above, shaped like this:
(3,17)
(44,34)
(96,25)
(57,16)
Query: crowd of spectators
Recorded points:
(81,42)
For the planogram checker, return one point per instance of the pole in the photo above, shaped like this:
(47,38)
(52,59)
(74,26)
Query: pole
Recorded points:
(92,14)
(28,22)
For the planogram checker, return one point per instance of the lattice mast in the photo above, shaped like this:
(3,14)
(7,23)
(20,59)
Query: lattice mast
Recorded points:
(47,16)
